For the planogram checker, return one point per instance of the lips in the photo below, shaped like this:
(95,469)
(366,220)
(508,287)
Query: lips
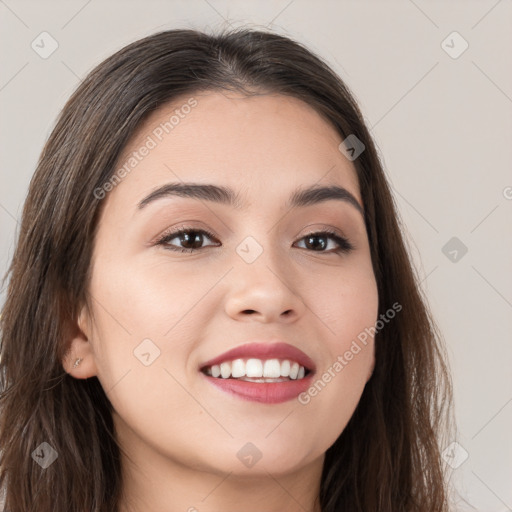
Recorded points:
(280,390)
(276,350)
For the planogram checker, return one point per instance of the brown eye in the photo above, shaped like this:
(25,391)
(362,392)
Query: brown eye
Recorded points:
(190,239)
(319,241)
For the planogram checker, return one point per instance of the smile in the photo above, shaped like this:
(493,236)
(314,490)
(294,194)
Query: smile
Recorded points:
(262,372)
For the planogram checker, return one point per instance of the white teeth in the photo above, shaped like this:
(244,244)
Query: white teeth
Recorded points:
(237,368)
(272,368)
(285,368)
(225,370)
(257,370)
(294,370)
(254,368)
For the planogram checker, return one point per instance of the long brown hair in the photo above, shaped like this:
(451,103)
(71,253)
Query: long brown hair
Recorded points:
(388,456)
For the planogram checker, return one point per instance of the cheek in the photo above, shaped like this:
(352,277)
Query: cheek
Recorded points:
(142,369)
(348,309)
(346,302)
(139,301)
(146,324)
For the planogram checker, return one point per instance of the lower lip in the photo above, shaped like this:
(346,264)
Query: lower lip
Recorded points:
(265,392)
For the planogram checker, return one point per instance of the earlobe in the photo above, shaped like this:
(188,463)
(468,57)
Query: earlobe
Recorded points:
(79,359)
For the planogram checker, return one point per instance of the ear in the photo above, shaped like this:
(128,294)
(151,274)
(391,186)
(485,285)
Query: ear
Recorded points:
(79,347)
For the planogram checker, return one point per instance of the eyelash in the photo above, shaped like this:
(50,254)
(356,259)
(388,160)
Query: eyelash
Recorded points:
(345,246)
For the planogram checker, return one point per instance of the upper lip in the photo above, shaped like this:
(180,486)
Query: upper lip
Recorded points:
(258,350)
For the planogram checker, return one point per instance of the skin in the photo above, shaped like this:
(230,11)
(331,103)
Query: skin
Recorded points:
(181,434)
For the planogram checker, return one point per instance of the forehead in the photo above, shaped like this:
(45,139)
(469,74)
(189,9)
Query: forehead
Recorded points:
(252,143)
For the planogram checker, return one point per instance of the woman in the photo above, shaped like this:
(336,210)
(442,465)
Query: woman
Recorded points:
(210,304)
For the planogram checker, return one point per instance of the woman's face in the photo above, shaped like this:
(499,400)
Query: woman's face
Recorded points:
(160,314)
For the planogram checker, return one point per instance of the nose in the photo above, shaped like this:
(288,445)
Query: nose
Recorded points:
(264,293)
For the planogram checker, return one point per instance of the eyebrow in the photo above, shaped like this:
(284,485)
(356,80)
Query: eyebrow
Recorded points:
(300,197)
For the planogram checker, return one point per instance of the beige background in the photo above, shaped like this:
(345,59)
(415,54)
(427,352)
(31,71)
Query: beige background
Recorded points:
(443,126)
